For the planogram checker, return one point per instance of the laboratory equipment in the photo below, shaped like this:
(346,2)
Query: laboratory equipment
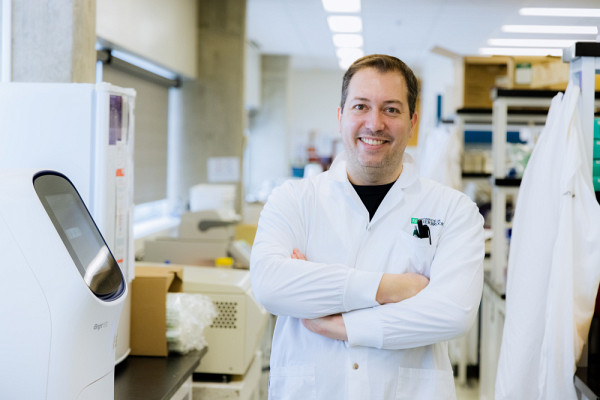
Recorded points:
(61,294)
(234,336)
(202,237)
(85,131)
(211,196)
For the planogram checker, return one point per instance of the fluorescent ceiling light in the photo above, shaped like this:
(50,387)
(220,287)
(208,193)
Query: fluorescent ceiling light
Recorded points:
(520,51)
(561,12)
(347,40)
(347,56)
(342,6)
(347,24)
(345,63)
(530,42)
(349,53)
(553,29)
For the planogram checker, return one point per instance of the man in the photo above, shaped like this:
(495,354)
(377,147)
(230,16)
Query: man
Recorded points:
(369,268)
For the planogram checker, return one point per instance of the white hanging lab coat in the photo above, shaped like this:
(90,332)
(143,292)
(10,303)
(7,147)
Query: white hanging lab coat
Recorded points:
(439,160)
(394,351)
(553,268)
(440,157)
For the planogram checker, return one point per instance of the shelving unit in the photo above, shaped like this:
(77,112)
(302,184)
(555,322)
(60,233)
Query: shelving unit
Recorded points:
(584,59)
(481,120)
(533,106)
(502,188)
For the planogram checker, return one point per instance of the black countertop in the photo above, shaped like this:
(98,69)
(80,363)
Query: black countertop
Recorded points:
(154,378)
(588,382)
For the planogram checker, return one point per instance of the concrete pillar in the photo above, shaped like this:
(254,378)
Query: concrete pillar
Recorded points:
(268,148)
(53,40)
(208,116)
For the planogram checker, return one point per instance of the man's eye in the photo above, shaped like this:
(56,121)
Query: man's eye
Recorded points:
(359,107)
(392,110)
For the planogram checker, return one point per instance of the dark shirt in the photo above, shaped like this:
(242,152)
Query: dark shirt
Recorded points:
(372,196)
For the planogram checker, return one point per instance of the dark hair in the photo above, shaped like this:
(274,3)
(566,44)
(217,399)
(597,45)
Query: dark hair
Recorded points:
(383,63)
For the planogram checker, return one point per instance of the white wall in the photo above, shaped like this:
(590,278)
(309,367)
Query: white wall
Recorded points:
(314,98)
(437,77)
(161,31)
(293,103)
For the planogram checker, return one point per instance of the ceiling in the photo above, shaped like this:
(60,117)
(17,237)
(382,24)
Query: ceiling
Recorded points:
(408,29)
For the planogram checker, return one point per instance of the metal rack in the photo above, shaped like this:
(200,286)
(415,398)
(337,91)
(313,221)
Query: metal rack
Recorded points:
(493,306)
(502,188)
(584,59)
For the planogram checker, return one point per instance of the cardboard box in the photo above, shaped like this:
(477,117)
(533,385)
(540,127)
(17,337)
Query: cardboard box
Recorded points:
(547,73)
(481,75)
(245,232)
(149,307)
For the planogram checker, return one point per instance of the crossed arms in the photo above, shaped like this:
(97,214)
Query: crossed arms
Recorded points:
(393,288)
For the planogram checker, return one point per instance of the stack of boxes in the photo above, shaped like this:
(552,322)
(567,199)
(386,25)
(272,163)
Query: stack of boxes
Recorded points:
(596,171)
(481,74)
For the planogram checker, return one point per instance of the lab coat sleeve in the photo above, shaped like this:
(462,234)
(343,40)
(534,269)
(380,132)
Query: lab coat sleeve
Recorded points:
(447,307)
(298,288)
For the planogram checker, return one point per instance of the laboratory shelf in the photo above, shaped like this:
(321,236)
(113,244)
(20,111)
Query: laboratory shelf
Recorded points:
(581,49)
(507,182)
(584,60)
(476,175)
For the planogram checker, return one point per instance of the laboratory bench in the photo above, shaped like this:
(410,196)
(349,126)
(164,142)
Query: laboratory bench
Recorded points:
(155,378)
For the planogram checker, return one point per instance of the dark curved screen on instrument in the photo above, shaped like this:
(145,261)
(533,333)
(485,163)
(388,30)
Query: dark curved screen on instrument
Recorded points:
(80,235)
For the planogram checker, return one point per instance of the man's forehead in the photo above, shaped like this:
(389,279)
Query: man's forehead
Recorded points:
(358,89)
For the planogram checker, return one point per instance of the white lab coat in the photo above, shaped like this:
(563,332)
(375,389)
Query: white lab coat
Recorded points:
(553,263)
(440,156)
(394,351)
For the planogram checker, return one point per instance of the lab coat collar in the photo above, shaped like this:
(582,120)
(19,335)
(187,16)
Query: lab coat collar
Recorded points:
(408,176)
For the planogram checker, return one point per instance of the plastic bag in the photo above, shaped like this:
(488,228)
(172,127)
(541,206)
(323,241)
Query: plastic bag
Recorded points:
(187,316)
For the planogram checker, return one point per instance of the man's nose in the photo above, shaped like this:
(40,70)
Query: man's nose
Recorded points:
(375,121)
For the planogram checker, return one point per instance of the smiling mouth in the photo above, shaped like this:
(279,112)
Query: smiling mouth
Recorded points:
(372,142)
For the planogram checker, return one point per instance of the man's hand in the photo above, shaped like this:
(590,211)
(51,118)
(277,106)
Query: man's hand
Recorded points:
(296,255)
(331,326)
(394,288)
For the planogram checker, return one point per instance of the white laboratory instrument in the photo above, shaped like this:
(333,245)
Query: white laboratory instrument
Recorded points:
(236,331)
(85,131)
(202,236)
(213,196)
(61,293)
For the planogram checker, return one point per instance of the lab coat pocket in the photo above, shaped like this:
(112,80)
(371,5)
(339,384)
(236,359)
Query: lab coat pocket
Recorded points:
(415,253)
(292,382)
(425,384)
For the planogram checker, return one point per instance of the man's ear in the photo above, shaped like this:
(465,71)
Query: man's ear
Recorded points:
(413,123)
(339,117)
